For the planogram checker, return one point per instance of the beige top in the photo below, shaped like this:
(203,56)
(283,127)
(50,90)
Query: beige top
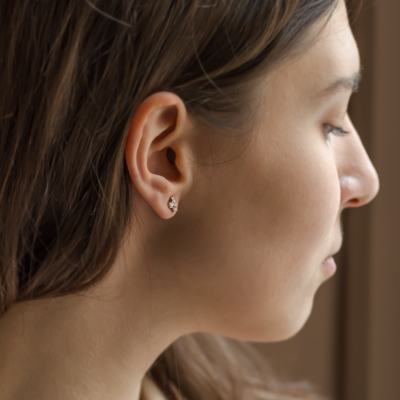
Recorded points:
(150,390)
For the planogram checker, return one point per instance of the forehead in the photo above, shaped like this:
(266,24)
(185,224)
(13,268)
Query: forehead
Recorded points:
(333,56)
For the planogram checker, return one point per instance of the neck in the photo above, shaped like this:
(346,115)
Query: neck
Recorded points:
(97,345)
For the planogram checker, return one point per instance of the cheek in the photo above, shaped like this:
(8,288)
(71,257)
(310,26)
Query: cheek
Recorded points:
(294,198)
(306,202)
(251,259)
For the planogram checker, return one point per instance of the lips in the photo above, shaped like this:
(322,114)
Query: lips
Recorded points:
(331,255)
(329,265)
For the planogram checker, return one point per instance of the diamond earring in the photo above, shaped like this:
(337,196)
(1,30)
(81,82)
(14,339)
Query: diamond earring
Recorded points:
(172,204)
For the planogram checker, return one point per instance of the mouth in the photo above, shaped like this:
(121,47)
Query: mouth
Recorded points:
(337,248)
(335,252)
(329,265)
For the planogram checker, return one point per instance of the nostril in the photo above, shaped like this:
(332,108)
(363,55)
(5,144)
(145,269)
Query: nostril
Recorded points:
(354,202)
(357,191)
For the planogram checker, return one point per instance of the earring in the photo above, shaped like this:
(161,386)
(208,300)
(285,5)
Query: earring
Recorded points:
(172,204)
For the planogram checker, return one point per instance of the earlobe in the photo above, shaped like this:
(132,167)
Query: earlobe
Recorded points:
(155,151)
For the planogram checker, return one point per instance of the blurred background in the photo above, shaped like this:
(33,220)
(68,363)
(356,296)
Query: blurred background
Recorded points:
(349,348)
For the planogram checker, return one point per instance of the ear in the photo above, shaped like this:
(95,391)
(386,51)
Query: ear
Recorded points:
(156,151)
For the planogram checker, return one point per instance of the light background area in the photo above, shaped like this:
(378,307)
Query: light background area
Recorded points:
(350,346)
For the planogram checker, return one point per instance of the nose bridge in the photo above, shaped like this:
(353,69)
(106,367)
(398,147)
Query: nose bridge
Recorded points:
(359,180)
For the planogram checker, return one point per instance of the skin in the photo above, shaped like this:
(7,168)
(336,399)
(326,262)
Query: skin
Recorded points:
(243,256)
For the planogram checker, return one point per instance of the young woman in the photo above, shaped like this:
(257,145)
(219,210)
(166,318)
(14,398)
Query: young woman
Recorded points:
(169,168)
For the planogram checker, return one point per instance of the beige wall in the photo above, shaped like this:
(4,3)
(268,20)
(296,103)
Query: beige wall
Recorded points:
(350,345)
(383,372)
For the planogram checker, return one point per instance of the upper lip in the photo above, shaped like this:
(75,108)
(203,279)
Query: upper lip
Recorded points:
(336,251)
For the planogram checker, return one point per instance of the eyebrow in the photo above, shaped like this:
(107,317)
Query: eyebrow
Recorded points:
(344,83)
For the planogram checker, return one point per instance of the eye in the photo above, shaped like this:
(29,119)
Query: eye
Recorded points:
(337,131)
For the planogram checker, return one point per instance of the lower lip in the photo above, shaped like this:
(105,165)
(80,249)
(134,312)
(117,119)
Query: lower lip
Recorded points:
(329,265)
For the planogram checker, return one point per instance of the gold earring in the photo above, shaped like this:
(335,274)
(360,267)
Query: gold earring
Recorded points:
(172,204)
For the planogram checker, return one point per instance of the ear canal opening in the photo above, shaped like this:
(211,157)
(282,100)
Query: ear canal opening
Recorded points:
(171,155)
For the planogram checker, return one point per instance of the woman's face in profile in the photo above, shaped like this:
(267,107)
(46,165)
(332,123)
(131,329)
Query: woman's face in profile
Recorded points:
(251,259)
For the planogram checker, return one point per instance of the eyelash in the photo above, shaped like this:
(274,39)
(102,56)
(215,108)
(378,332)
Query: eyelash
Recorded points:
(336,130)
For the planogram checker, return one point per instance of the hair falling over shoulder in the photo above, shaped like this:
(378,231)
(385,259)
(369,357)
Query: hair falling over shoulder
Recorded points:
(72,74)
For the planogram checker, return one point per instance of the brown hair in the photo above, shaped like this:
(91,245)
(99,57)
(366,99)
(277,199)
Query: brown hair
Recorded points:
(72,74)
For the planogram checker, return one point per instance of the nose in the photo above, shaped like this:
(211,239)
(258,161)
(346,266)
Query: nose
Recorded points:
(359,181)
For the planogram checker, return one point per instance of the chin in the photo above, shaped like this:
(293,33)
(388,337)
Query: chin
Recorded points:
(296,324)
(289,333)
(284,329)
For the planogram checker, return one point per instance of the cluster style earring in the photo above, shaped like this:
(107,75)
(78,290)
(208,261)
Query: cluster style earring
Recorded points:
(172,204)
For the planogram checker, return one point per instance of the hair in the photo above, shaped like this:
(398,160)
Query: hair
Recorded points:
(72,74)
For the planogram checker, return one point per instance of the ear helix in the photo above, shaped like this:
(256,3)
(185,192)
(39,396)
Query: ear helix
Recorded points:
(172,204)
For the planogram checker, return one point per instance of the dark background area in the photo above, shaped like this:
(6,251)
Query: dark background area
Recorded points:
(349,347)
